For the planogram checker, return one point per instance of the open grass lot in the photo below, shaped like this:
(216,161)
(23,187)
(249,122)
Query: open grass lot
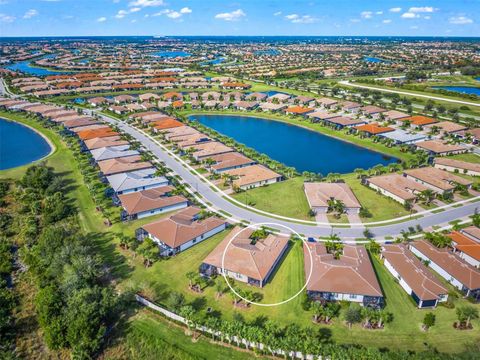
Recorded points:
(149,333)
(170,275)
(473,158)
(285,198)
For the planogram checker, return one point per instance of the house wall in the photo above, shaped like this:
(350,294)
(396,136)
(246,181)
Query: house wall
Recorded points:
(233,275)
(438,269)
(460,171)
(137,189)
(233,167)
(387,193)
(469,259)
(402,282)
(178,206)
(190,243)
(433,187)
(259,183)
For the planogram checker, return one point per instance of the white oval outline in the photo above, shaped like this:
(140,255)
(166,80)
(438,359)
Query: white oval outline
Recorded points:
(281,302)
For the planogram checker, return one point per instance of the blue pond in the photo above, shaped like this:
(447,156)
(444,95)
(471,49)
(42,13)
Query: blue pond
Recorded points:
(171,54)
(269,52)
(20,145)
(295,146)
(374,60)
(27,68)
(460,89)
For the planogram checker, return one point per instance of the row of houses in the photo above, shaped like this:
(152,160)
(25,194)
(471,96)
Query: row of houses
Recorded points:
(217,157)
(406,188)
(349,276)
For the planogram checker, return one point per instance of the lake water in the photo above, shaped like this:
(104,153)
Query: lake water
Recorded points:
(295,146)
(460,89)
(374,60)
(19,145)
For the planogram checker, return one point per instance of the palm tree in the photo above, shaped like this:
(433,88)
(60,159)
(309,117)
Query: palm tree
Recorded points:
(317,309)
(466,314)
(190,276)
(427,196)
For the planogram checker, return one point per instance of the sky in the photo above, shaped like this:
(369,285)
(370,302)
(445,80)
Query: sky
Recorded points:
(241,17)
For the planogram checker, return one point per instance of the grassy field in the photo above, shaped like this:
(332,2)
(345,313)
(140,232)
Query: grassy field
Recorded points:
(285,198)
(166,276)
(467,157)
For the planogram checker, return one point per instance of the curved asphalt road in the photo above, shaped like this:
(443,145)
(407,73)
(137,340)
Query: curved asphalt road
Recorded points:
(240,213)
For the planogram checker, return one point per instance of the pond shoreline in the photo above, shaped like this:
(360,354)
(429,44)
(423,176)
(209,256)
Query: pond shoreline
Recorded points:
(52,146)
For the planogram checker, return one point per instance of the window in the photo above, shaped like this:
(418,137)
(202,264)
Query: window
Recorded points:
(353,296)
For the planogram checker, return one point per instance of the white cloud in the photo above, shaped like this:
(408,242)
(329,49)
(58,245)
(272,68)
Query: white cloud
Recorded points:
(121,14)
(30,13)
(395,9)
(145,3)
(7,18)
(355,20)
(102,19)
(304,19)
(366,14)
(414,27)
(133,21)
(231,16)
(185,10)
(422,9)
(278,13)
(460,20)
(428,17)
(410,15)
(379,13)
(292,17)
(174,15)
(387,21)
(135,9)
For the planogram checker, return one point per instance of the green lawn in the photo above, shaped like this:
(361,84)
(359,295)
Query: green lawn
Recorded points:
(469,157)
(152,337)
(285,198)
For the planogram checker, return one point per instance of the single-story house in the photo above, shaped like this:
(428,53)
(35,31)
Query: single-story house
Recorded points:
(451,267)
(229,161)
(341,122)
(373,129)
(446,127)
(98,143)
(181,230)
(438,147)
(122,165)
(269,106)
(413,276)
(113,152)
(256,96)
(397,187)
(467,248)
(253,176)
(317,116)
(418,120)
(371,110)
(208,149)
(133,181)
(472,232)
(140,204)
(319,194)
(440,181)
(400,136)
(245,105)
(350,106)
(394,115)
(298,110)
(280,97)
(351,277)
(327,103)
(462,167)
(251,262)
